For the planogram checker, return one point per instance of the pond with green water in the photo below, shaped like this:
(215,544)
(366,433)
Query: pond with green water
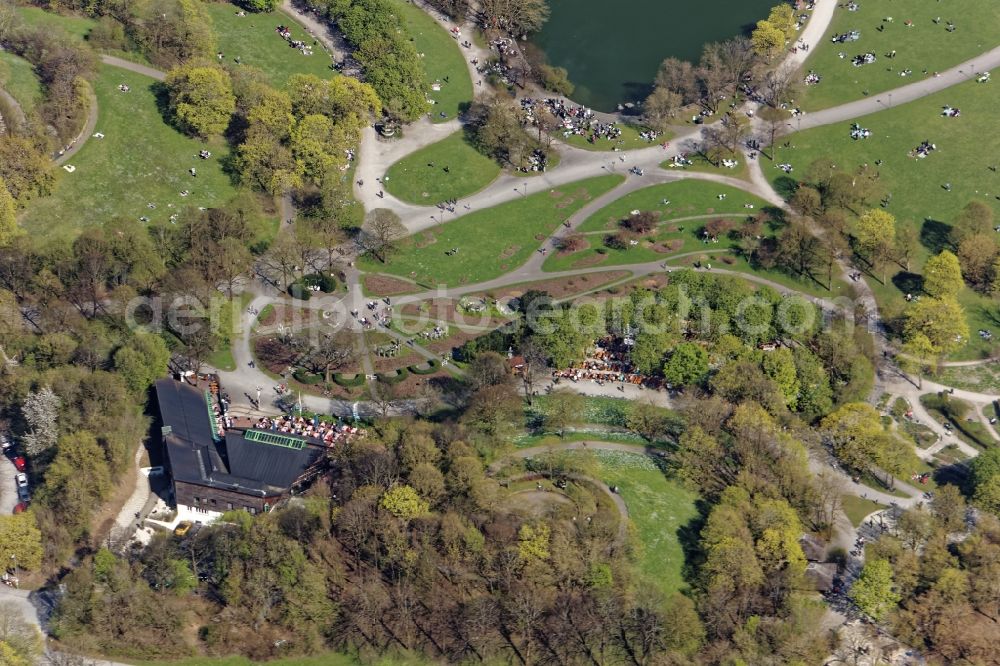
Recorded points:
(612,49)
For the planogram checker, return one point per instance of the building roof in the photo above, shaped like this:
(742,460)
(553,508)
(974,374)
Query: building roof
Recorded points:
(251,462)
(184,410)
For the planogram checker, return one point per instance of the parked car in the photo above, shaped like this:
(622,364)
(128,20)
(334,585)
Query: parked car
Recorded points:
(183,528)
(20,507)
(20,463)
(22,480)
(6,443)
(22,494)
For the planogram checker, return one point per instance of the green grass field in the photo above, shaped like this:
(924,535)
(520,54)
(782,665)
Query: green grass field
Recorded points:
(17,77)
(966,147)
(659,508)
(76,27)
(726,260)
(980,378)
(413,179)
(924,46)
(687,198)
(443,60)
(140,160)
(857,508)
(700,163)
(490,242)
(253,39)
(692,203)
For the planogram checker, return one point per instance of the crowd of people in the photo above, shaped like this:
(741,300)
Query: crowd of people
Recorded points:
(607,363)
(863,59)
(286,34)
(851,36)
(577,120)
(923,150)
(859,132)
(313,428)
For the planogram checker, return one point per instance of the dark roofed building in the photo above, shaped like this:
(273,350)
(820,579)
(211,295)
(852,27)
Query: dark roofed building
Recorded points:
(214,468)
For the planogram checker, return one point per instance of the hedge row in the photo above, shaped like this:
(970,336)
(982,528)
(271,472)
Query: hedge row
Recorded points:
(393,378)
(308,378)
(432,364)
(349,381)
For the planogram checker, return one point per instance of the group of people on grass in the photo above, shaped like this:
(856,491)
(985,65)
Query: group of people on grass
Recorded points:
(286,34)
(577,120)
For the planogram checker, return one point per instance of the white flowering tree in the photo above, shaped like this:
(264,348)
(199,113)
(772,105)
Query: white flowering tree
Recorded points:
(41,411)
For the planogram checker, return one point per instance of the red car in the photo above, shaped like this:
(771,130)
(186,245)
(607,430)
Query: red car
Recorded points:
(19,463)
(20,507)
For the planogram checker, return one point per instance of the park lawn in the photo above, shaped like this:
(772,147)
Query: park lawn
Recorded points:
(253,39)
(17,77)
(77,27)
(662,511)
(688,198)
(726,261)
(491,241)
(629,139)
(596,410)
(414,180)
(925,46)
(857,509)
(580,435)
(141,160)
(443,61)
(692,204)
(966,148)
(652,247)
(980,378)
(223,360)
(701,164)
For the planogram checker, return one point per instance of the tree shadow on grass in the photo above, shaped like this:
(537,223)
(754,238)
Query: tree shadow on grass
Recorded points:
(908,283)
(689,537)
(785,186)
(935,235)
(957,474)
(990,314)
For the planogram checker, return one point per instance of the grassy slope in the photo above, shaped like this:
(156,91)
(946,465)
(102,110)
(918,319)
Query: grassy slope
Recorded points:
(967,146)
(857,508)
(687,198)
(75,26)
(254,40)
(659,508)
(491,242)
(442,58)
(140,160)
(20,80)
(925,46)
(410,179)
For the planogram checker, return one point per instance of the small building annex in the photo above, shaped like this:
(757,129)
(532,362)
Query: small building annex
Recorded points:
(215,466)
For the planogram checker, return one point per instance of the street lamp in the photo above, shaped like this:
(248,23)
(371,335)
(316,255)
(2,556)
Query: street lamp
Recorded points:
(525,188)
(13,557)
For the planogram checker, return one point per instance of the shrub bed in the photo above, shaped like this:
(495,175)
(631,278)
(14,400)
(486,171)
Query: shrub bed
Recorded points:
(432,367)
(392,378)
(349,381)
